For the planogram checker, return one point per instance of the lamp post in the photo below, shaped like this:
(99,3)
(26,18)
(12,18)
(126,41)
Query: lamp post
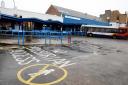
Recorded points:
(108,19)
(118,23)
(126,18)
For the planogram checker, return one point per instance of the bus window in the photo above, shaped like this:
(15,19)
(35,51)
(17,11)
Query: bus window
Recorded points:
(113,31)
(122,31)
(96,30)
(107,30)
(90,30)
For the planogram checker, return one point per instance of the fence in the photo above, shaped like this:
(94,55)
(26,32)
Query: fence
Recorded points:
(36,36)
(79,33)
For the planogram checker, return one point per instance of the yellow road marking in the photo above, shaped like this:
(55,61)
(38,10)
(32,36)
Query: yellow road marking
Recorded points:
(38,73)
(29,81)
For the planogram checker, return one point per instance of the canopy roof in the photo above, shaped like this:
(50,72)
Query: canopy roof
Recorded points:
(8,17)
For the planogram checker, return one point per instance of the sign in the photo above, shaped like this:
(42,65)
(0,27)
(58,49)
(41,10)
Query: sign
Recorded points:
(71,17)
(45,71)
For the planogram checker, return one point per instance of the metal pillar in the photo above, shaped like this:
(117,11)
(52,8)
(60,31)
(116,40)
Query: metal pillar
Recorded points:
(23,35)
(45,35)
(61,35)
(49,38)
(19,35)
(18,38)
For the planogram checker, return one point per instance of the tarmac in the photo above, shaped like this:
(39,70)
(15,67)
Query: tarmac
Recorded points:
(87,61)
(34,41)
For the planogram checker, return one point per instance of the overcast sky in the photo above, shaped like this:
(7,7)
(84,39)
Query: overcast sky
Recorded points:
(93,7)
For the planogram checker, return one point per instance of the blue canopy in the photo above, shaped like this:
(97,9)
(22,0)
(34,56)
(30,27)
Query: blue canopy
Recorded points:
(80,21)
(8,17)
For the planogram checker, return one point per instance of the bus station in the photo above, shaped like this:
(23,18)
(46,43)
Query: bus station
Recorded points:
(62,47)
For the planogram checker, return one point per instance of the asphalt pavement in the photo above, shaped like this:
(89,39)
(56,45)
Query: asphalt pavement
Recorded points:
(87,61)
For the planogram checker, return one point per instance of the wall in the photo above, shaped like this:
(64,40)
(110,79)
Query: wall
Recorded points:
(123,18)
(53,11)
(114,24)
(115,17)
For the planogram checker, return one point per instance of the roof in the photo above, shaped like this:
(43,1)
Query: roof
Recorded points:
(29,14)
(9,17)
(80,21)
(75,13)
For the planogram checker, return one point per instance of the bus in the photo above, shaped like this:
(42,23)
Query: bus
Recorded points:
(106,31)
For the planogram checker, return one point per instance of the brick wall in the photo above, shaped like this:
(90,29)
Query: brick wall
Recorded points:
(53,11)
(122,18)
(115,16)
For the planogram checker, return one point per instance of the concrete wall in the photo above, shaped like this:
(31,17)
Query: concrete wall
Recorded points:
(114,24)
(28,14)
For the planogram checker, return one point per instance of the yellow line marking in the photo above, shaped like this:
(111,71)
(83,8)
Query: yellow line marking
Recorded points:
(29,81)
(38,73)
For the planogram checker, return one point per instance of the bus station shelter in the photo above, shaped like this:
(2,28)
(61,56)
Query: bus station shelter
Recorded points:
(27,28)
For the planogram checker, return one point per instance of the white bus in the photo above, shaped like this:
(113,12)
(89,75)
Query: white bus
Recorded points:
(108,31)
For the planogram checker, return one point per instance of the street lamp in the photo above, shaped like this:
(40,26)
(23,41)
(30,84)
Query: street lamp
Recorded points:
(127,18)
(118,23)
(108,19)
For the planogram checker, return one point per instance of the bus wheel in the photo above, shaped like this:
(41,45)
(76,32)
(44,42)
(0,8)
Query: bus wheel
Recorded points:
(90,34)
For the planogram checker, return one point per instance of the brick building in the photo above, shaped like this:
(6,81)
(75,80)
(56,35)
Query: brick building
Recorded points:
(115,17)
(60,11)
(72,20)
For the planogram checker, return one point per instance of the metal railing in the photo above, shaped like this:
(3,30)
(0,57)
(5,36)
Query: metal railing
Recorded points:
(46,36)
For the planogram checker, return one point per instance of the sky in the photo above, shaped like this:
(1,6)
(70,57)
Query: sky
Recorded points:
(93,7)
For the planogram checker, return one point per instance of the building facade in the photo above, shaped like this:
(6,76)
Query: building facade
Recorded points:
(115,18)
(74,17)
